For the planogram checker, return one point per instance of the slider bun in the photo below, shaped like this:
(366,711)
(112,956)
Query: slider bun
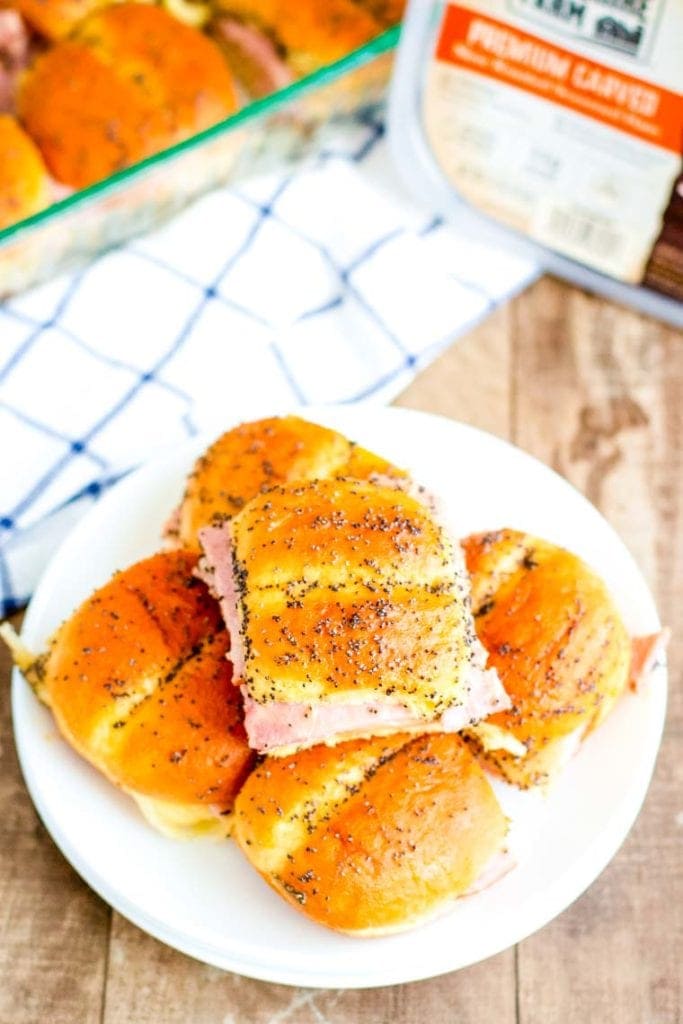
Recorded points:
(24,182)
(140,686)
(371,836)
(130,81)
(255,456)
(54,19)
(557,641)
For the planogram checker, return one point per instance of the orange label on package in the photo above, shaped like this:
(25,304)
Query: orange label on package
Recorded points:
(481,44)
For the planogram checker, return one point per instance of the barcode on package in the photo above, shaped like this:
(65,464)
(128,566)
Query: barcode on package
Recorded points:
(573,229)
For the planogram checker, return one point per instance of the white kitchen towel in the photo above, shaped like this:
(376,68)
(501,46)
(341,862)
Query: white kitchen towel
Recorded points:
(324,284)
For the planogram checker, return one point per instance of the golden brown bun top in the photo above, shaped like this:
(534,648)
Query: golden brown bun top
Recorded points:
(128,82)
(350,593)
(139,682)
(325,533)
(24,183)
(553,633)
(254,456)
(310,32)
(55,19)
(372,835)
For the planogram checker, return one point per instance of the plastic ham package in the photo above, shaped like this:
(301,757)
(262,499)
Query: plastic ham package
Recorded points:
(555,128)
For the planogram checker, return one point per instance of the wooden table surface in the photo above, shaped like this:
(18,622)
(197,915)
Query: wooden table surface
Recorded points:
(597,393)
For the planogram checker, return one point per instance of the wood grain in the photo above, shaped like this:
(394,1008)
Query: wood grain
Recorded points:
(149,982)
(596,392)
(54,931)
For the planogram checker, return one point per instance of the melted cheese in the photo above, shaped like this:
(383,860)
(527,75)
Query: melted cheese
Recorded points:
(184,821)
(493,737)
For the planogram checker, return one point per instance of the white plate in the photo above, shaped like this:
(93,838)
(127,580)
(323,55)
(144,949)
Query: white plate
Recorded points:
(202,897)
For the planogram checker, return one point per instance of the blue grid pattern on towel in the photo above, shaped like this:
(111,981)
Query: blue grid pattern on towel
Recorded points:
(282,287)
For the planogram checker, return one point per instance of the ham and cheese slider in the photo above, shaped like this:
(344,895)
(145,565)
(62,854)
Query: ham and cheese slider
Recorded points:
(252,457)
(128,82)
(348,610)
(270,43)
(139,685)
(560,648)
(373,836)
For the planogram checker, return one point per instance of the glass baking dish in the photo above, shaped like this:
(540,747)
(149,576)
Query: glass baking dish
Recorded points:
(278,129)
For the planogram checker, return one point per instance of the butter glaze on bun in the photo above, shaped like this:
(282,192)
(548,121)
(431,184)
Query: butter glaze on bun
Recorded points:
(139,684)
(372,836)
(348,609)
(130,81)
(558,643)
(253,457)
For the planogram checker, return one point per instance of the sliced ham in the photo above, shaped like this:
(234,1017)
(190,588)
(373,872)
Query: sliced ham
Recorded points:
(500,864)
(646,653)
(215,569)
(296,724)
(15,40)
(284,726)
(256,60)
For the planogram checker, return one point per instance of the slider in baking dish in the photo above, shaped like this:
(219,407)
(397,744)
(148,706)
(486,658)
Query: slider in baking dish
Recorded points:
(101,86)
(128,81)
(272,42)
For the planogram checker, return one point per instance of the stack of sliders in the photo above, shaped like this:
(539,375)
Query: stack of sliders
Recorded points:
(315,667)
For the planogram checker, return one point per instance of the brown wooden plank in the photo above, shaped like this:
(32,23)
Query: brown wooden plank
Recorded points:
(599,395)
(148,982)
(53,929)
